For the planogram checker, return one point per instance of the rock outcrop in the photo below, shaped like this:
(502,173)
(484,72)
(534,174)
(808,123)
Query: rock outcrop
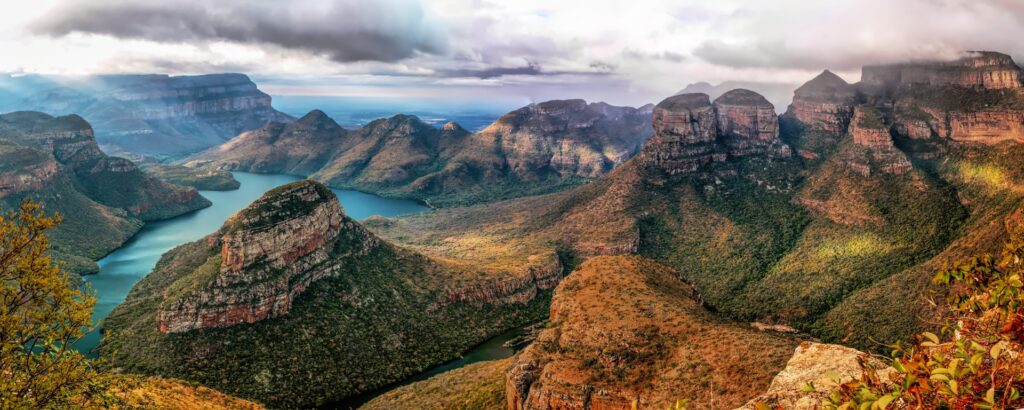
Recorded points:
(880,153)
(812,363)
(270,253)
(691,132)
(978,69)
(824,104)
(536,149)
(152,114)
(748,124)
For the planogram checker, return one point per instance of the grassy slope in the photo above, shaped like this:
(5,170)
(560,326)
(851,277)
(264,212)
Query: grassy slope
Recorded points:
(372,325)
(202,179)
(479,386)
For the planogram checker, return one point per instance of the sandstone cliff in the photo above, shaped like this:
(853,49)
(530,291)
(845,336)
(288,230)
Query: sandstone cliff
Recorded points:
(981,69)
(824,104)
(152,114)
(536,149)
(879,154)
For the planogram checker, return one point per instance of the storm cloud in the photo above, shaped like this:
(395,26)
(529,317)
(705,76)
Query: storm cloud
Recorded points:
(342,30)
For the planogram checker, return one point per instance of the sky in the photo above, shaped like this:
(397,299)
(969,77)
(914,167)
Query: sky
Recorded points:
(623,52)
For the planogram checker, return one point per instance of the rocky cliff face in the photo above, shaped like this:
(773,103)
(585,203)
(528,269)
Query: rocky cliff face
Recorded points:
(978,69)
(536,149)
(55,160)
(880,153)
(270,253)
(152,114)
(691,132)
(824,104)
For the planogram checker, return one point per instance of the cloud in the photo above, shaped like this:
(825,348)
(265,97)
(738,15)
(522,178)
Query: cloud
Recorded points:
(342,30)
(794,34)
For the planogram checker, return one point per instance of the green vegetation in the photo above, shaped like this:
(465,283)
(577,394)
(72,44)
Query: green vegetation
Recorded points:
(203,179)
(479,386)
(976,364)
(374,323)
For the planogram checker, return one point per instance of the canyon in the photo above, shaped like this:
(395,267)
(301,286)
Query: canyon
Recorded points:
(56,161)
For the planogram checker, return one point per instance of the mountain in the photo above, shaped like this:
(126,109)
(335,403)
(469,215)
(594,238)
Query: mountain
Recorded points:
(103,199)
(156,115)
(536,149)
(294,304)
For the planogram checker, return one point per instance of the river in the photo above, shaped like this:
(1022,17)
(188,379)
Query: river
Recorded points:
(125,266)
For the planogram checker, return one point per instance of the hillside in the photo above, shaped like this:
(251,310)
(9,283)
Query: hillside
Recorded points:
(537,149)
(104,200)
(291,278)
(154,115)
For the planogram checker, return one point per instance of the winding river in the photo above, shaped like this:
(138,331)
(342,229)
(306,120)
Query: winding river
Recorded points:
(122,268)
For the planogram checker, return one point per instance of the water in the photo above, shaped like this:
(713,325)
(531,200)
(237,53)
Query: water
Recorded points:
(355,112)
(120,270)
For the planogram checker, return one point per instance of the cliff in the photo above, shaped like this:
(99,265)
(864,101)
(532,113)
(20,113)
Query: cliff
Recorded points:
(536,149)
(980,69)
(55,160)
(824,104)
(154,115)
(270,253)
(626,331)
(690,132)
(880,153)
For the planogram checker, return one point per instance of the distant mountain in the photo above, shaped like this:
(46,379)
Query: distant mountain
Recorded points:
(155,115)
(779,94)
(536,149)
(103,199)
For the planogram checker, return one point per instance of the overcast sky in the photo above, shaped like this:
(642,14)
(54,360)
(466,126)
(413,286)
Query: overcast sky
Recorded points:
(625,52)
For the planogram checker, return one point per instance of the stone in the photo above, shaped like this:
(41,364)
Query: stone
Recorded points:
(824,104)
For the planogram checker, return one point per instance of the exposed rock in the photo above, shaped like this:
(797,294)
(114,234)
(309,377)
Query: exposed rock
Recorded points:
(748,124)
(270,253)
(543,273)
(824,104)
(685,134)
(981,69)
(869,131)
(812,363)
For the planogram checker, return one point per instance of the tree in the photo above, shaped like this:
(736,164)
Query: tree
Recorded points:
(42,314)
(979,361)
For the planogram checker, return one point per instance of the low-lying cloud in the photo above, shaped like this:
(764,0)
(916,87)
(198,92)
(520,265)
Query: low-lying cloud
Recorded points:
(342,30)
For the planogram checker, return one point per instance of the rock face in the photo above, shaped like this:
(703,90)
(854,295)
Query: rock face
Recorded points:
(535,149)
(624,330)
(824,104)
(811,363)
(691,132)
(151,114)
(869,131)
(748,124)
(270,253)
(978,69)
(55,160)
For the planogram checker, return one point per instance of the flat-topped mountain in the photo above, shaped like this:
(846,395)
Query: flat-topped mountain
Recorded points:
(155,115)
(536,149)
(103,199)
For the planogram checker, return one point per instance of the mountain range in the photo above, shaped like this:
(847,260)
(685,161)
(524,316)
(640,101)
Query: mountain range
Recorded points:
(533,150)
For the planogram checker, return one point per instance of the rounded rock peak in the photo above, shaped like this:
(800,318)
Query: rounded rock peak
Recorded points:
(451,126)
(287,201)
(742,96)
(314,115)
(685,102)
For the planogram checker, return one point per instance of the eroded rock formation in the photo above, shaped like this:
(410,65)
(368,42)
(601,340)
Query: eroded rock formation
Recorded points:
(879,154)
(981,69)
(824,104)
(270,253)
(748,124)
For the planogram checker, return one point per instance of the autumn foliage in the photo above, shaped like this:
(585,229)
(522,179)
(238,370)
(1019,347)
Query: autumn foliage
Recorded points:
(977,363)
